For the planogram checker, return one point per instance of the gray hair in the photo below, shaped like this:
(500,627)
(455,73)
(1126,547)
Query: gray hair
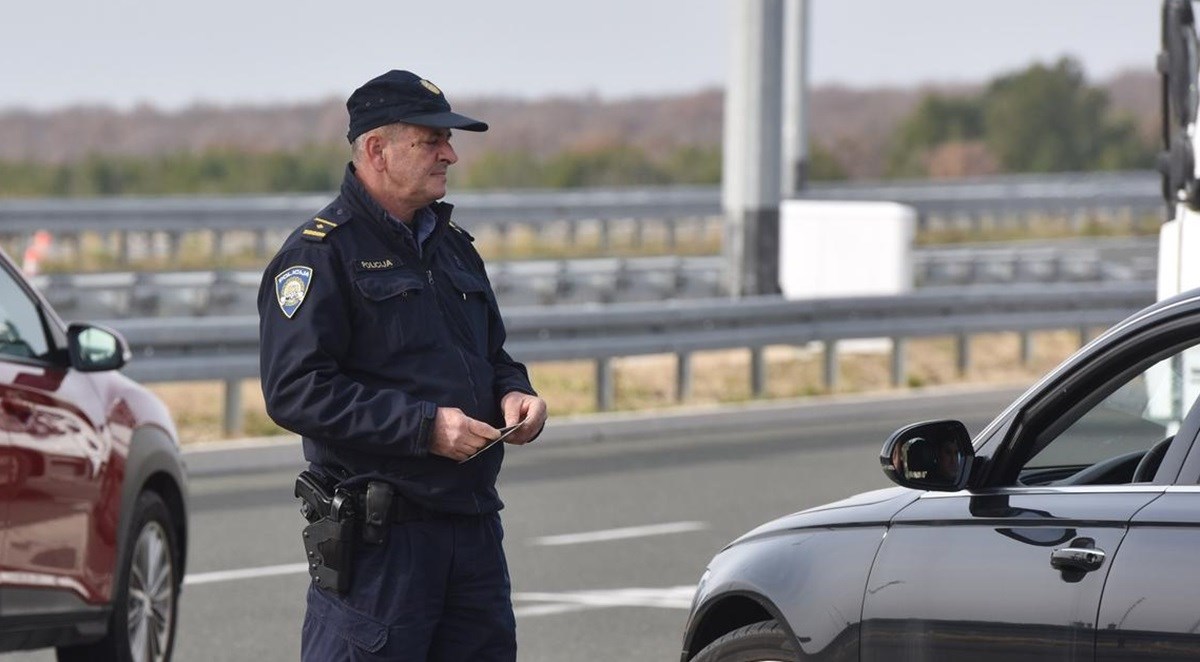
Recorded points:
(387,132)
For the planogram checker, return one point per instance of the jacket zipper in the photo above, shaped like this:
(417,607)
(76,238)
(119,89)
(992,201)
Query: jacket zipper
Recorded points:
(441,311)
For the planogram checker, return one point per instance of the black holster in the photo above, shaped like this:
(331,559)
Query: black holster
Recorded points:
(332,533)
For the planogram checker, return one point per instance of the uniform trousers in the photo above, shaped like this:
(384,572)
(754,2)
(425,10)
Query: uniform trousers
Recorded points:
(436,590)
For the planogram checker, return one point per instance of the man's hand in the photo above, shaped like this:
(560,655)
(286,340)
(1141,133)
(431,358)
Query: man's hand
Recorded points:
(458,436)
(520,407)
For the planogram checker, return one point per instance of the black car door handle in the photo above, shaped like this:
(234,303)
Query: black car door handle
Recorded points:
(1077,558)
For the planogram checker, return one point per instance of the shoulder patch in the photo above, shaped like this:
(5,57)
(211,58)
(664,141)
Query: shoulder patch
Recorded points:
(461,231)
(291,286)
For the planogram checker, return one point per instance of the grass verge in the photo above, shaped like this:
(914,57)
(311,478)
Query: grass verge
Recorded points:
(718,377)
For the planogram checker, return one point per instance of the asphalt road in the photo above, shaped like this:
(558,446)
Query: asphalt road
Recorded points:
(605,539)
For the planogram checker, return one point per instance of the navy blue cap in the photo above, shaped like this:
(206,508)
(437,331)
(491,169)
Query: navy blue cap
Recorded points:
(402,96)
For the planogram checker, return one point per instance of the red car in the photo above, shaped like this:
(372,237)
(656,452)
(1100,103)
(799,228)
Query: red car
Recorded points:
(93,493)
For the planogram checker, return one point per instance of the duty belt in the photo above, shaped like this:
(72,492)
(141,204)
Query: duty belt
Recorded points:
(406,510)
(320,498)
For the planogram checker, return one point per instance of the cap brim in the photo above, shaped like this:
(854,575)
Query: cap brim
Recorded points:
(447,120)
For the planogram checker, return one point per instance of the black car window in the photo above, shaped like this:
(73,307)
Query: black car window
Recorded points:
(21,331)
(1104,438)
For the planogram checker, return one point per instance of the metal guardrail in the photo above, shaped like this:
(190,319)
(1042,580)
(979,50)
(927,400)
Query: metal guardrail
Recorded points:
(226,349)
(248,212)
(605,280)
(517,283)
(1139,190)
(966,203)
(267,219)
(1073,260)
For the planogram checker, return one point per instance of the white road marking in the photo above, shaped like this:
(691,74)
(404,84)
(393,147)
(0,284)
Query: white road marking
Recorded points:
(674,597)
(620,534)
(244,573)
(566,539)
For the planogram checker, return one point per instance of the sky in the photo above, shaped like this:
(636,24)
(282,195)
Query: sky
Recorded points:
(122,53)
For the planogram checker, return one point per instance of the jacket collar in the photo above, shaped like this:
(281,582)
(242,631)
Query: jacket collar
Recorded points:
(362,204)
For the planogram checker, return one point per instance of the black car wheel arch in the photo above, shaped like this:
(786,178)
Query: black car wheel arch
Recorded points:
(765,641)
(731,611)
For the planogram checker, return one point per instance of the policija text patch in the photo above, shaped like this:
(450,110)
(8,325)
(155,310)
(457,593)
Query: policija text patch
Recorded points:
(291,285)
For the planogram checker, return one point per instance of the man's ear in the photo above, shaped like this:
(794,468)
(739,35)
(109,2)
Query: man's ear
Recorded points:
(374,152)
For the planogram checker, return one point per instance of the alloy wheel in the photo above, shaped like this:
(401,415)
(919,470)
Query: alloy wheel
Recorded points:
(151,595)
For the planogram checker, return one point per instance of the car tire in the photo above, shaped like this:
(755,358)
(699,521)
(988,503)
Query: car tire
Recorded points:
(765,641)
(145,593)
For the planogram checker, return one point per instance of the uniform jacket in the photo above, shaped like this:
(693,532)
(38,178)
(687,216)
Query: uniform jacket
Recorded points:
(362,338)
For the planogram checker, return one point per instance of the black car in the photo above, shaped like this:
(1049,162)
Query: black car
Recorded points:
(93,493)
(1068,529)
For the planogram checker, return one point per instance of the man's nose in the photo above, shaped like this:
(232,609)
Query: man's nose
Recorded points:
(448,154)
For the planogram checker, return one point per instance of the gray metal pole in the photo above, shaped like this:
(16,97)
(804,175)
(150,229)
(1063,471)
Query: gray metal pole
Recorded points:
(232,416)
(605,389)
(899,362)
(683,376)
(750,185)
(964,353)
(830,372)
(758,372)
(795,99)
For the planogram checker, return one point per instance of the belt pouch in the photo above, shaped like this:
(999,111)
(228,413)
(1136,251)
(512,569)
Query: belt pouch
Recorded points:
(378,512)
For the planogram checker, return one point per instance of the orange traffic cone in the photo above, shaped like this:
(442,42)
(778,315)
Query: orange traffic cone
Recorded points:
(37,249)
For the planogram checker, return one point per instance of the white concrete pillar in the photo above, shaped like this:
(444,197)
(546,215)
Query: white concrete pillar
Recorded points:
(751,181)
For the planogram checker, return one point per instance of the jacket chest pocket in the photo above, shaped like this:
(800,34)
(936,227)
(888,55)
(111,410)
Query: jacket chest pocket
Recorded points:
(398,306)
(472,294)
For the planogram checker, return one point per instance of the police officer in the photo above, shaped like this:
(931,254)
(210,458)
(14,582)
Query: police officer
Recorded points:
(383,348)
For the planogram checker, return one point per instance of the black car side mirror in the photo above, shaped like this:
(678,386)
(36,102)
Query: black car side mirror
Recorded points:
(94,348)
(935,455)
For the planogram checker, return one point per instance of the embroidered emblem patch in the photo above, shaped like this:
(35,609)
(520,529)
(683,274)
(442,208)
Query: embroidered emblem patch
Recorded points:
(291,285)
